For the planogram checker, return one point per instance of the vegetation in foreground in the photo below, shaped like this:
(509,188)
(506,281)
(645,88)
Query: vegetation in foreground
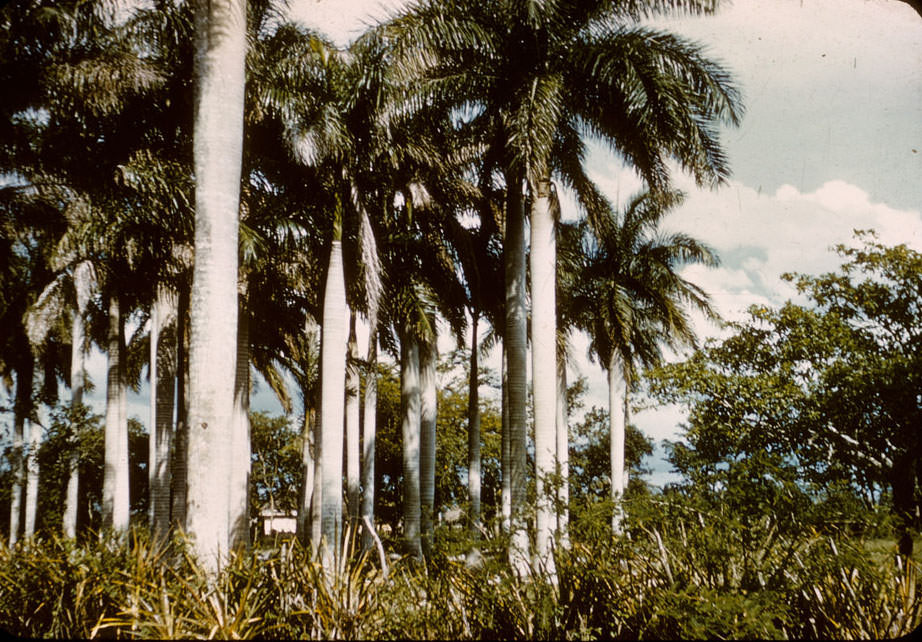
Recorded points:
(679,572)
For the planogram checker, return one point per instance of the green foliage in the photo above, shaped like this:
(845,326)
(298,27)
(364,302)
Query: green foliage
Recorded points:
(590,459)
(275,475)
(682,573)
(82,430)
(451,447)
(800,402)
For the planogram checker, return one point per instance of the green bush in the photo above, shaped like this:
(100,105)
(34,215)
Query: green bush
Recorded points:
(678,572)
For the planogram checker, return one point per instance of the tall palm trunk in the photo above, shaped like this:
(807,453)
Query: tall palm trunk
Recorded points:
(32,474)
(239,487)
(544,367)
(506,490)
(115,488)
(306,493)
(410,433)
(428,359)
(473,432)
(353,487)
(309,451)
(617,411)
(220,52)
(179,457)
(77,374)
(332,402)
(516,355)
(21,412)
(563,454)
(162,396)
(369,435)
(82,276)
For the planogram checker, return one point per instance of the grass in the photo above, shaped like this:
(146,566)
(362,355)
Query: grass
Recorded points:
(667,580)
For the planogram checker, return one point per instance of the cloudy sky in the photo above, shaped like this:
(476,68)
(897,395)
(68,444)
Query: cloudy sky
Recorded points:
(831,141)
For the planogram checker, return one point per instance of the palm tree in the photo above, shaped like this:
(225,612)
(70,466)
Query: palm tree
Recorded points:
(220,52)
(543,73)
(631,301)
(82,278)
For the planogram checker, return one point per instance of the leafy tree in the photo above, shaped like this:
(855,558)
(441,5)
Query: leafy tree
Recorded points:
(815,396)
(590,465)
(75,433)
(276,471)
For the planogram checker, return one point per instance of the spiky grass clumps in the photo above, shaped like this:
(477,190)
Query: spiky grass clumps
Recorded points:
(666,581)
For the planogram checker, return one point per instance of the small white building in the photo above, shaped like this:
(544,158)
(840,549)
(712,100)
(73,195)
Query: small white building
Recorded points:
(278,522)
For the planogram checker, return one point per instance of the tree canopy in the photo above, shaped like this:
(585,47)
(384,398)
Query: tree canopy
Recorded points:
(823,395)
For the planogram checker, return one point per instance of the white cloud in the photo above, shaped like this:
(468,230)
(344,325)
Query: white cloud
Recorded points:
(759,237)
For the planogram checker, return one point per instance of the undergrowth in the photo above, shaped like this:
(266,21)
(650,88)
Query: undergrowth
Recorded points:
(678,576)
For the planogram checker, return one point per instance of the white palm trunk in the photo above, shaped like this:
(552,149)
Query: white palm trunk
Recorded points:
(220,51)
(332,405)
(32,474)
(309,446)
(473,434)
(369,436)
(353,484)
(410,433)
(180,449)
(162,397)
(617,391)
(21,411)
(239,484)
(307,477)
(428,359)
(544,368)
(516,346)
(563,454)
(115,488)
(506,490)
(82,279)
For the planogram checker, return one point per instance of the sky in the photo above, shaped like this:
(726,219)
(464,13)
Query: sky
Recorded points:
(831,141)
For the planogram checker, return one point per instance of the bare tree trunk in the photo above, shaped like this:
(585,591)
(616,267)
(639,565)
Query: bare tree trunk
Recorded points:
(32,474)
(516,358)
(115,487)
(220,52)
(544,369)
(179,456)
(473,432)
(353,487)
(81,278)
(506,490)
(428,360)
(307,477)
(410,429)
(239,483)
(617,391)
(563,454)
(369,436)
(332,406)
(162,391)
(22,410)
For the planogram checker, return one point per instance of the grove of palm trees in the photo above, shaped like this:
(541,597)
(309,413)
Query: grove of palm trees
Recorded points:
(203,190)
